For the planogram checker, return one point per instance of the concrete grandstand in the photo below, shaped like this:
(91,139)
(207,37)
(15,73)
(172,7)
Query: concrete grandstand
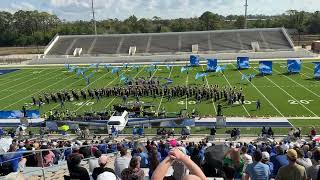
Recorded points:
(145,47)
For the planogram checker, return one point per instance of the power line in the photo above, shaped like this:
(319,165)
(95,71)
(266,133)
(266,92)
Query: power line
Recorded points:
(94,19)
(246,15)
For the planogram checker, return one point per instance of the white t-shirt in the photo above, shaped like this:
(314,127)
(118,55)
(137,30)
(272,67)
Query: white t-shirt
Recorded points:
(107,176)
(120,164)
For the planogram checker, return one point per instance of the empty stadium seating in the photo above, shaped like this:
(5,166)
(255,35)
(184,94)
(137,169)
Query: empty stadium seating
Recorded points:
(169,43)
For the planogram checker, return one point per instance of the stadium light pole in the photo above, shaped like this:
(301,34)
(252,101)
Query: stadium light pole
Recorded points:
(94,19)
(246,15)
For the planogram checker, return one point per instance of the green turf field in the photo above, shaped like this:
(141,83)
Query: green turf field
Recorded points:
(281,95)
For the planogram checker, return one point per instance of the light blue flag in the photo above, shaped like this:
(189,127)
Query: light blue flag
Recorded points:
(135,66)
(66,66)
(183,69)
(169,66)
(243,77)
(125,65)
(79,72)
(97,65)
(199,75)
(92,65)
(123,77)
(114,70)
(72,69)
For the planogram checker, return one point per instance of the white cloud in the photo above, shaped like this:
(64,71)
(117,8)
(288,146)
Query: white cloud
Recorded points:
(121,9)
(22,6)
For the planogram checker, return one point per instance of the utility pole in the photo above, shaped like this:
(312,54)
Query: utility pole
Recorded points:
(246,15)
(94,19)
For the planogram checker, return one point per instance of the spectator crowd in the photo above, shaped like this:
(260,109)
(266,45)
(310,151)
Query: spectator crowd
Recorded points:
(285,160)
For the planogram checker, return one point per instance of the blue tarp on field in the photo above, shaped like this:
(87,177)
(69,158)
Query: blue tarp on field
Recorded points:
(265,67)
(243,62)
(6,71)
(17,114)
(294,65)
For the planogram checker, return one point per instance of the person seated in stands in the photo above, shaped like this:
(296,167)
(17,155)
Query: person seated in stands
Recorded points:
(98,171)
(158,131)
(270,132)
(134,131)
(313,132)
(297,133)
(178,156)
(264,131)
(140,131)
(121,162)
(233,133)
(133,171)
(75,170)
(213,131)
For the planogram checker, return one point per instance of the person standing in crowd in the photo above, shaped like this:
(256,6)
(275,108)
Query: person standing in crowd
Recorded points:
(103,161)
(94,162)
(177,155)
(154,160)
(133,171)
(303,161)
(232,159)
(75,170)
(279,160)
(266,160)
(313,171)
(257,170)
(246,157)
(121,162)
(292,171)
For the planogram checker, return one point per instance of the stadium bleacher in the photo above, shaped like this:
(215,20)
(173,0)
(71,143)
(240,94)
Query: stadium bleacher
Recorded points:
(175,42)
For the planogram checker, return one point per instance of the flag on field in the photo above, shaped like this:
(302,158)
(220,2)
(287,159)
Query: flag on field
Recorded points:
(184,69)
(199,75)
(114,70)
(265,67)
(135,66)
(169,66)
(72,69)
(125,65)
(66,66)
(122,77)
(248,77)
(221,68)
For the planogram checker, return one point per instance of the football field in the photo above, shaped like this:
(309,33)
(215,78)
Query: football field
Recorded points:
(280,94)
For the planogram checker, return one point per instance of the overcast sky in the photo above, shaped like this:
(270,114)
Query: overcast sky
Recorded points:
(166,9)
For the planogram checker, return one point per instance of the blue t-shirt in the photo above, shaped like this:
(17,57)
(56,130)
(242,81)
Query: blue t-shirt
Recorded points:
(144,160)
(258,171)
(278,161)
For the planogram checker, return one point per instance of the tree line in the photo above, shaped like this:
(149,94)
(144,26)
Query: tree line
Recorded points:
(26,28)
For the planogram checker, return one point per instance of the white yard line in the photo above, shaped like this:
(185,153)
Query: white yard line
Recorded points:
(38,91)
(213,104)
(17,74)
(299,84)
(30,79)
(239,103)
(16,92)
(290,95)
(163,95)
(262,95)
(133,77)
